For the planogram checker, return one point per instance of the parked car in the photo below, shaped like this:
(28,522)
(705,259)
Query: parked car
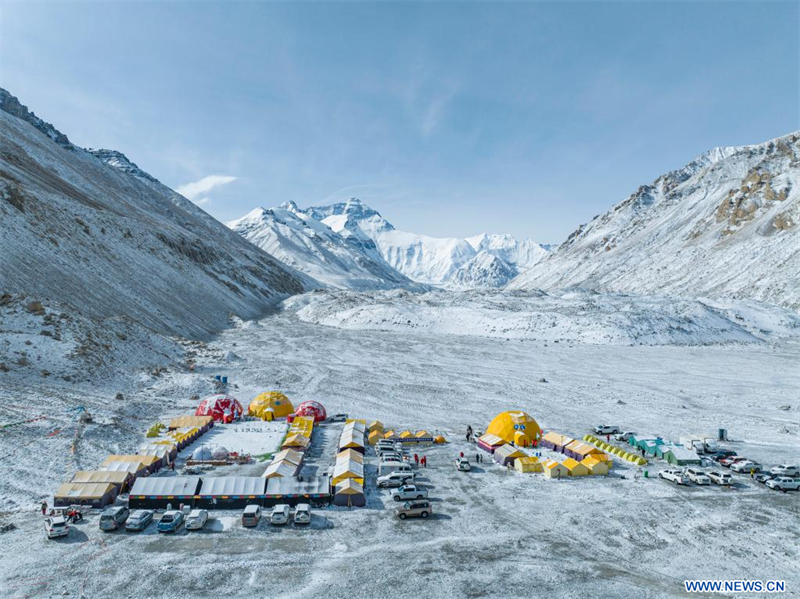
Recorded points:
(171,521)
(697,476)
(675,476)
(337,418)
(763,477)
(389,467)
(625,436)
(139,520)
(279,514)
(414,509)
(784,483)
(113,518)
(463,465)
(391,456)
(605,429)
(56,527)
(722,453)
(251,515)
(196,519)
(785,470)
(409,492)
(394,479)
(720,478)
(746,466)
(302,514)
(730,461)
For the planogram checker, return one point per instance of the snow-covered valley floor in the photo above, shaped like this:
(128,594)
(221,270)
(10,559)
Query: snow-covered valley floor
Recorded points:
(495,534)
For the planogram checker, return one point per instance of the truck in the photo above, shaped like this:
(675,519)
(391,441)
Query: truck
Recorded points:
(700,444)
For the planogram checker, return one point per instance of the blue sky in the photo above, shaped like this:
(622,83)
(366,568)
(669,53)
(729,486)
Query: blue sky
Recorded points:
(450,118)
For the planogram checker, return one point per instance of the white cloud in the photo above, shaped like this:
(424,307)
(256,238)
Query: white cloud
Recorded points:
(199,188)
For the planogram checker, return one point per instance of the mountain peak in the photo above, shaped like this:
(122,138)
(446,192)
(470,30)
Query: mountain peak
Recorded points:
(119,161)
(10,104)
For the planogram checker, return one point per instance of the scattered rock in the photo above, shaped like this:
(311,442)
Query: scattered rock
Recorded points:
(35,308)
(6,299)
(542,380)
(23,361)
(3,367)
(194,398)
(118,396)
(622,403)
(7,527)
(785,408)
(45,373)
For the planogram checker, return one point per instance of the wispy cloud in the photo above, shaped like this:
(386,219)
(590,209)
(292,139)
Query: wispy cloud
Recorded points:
(198,191)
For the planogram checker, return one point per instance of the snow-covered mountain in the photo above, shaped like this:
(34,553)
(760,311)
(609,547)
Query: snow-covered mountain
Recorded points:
(302,241)
(433,260)
(725,225)
(91,232)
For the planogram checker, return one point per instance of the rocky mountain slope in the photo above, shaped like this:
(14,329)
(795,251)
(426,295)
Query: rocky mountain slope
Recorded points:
(725,225)
(296,238)
(91,232)
(432,260)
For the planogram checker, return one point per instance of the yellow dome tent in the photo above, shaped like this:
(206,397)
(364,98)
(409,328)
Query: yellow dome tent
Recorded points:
(515,427)
(270,405)
(440,439)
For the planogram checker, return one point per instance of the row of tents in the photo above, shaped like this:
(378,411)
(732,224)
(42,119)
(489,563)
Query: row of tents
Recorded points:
(617,451)
(228,492)
(375,432)
(509,455)
(659,448)
(348,468)
(298,436)
(118,473)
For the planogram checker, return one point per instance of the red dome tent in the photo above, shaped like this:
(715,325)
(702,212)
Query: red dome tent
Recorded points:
(222,408)
(311,408)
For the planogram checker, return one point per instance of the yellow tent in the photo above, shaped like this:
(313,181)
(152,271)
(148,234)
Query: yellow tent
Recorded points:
(351,439)
(440,439)
(270,405)
(146,460)
(582,450)
(360,421)
(515,427)
(281,469)
(554,469)
(575,468)
(375,425)
(422,434)
(289,455)
(344,469)
(296,441)
(528,464)
(350,454)
(406,435)
(391,435)
(374,437)
(595,466)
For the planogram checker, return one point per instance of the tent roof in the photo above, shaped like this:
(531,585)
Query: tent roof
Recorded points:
(101,476)
(350,454)
(583,448)
(550,464)
(190,421)
(296,441)
(351,438)
(166,485)
(492,440)
(232,485)
(509,451)
(280,468)
(84,490)
(299,486)
(289,455)
(528,459)
(569,463)
(131,467)
(148,460)
(682,453)
(348,467)
(349,487)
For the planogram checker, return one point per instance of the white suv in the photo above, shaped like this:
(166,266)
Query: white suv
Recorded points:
(395,479)
(783,483)
(675,476)
(784,470)
(746,466)
(697,476)
(606,430)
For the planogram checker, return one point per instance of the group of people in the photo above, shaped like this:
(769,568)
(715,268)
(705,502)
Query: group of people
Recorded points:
(421,461)
(73,515)
(478,457)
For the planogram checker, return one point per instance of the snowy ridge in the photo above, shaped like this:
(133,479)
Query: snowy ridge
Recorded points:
(298,239)
(97,234)
(725,225)
(429,260)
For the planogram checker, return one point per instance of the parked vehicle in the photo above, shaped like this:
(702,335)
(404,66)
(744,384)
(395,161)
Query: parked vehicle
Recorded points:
(395,479)
(139,520)
(56,527)
(113,518)
(722,453)
(414,509)
(720,478)
(605,429)
(463,465)
(785,470)
(338,418)
(171,521)
(746,466)
(302,514)
(730,461)
(697,476)
(279,514)
(391,457)
(388,467)
(625,436)
(409,492)
(675,476)
(784,483)
(196,519)
(386,443)
(251,515)
(763,477)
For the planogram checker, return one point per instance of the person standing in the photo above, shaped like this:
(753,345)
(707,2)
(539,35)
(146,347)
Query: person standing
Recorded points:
(44,508)
(416,459)
(477,458)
